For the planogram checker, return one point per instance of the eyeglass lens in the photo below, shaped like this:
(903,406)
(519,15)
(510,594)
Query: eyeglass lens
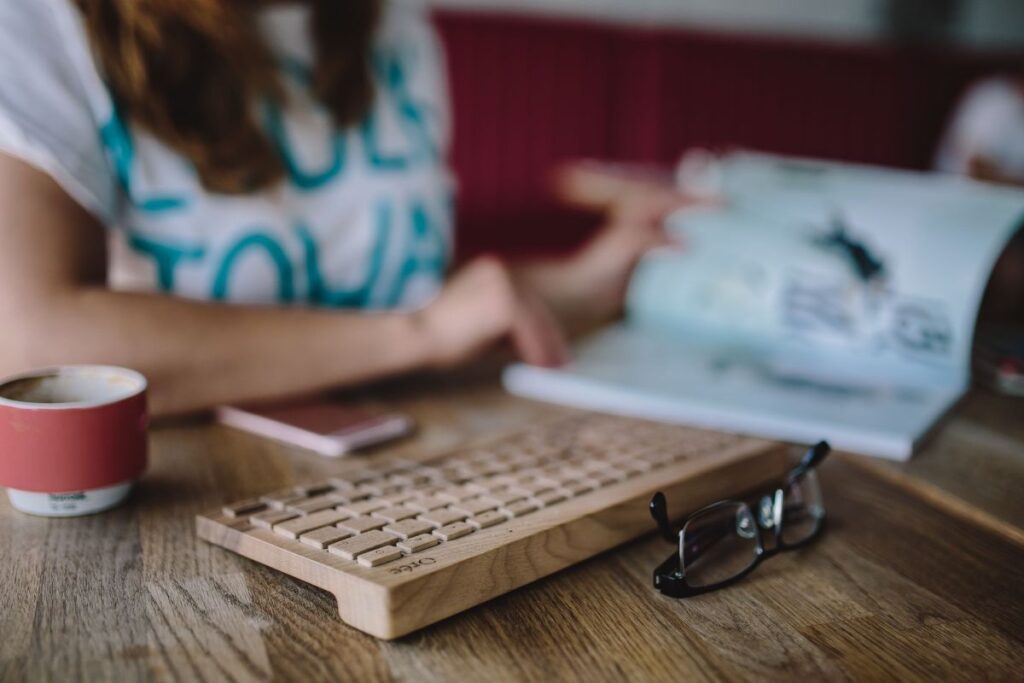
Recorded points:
(718,544)
(802,509)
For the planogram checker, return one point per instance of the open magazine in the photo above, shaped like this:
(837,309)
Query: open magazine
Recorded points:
(822,300)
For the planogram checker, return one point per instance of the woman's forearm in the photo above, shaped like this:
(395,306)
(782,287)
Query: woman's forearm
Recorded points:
(197,355)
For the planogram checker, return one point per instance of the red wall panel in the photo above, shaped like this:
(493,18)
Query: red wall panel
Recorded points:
(526,94)
(530,92)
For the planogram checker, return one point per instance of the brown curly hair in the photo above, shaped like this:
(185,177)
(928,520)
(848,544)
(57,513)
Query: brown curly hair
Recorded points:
(192,72)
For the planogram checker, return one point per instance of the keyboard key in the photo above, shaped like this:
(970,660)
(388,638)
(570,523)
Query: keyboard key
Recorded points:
(426,503)
(641,465)
(399,498)
(548,498)
(571,473)
(243,508)
(450,532)
(616,473)
(362,491)
(408,528)
(361,476)
(658,458)
(603,478)
(494,467)
(351,548)
(314,489)
(418,478)
(295,527)
(552,479)
(472,471)
(528,475)
(631,469)
(456,493)
(576,488)
(341,484)
(487,519)
(451,475)
(418,543)
(428,473)
(380,488)
(321,538)
(401,479)
(279,499)
(520,508)
(443,516)
(530,489)
(363,507)
(363,524)
(315,504)
(266,520)
(380,556)
(474,506)
(396,514)
(355,494)
(503,497)
(487,484)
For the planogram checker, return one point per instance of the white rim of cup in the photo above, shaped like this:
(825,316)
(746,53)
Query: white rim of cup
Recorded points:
(41,373)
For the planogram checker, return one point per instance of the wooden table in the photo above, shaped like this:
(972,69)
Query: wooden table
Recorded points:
(919,576)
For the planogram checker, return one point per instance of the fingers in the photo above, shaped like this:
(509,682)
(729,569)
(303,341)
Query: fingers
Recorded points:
(605,187)
(536,334)
(512,311)
(650,206)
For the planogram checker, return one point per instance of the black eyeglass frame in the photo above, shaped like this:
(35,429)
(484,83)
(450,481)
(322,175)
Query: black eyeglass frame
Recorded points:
(670,579)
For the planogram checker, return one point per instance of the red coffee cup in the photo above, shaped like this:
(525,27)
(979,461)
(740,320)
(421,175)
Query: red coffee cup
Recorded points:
(72,438)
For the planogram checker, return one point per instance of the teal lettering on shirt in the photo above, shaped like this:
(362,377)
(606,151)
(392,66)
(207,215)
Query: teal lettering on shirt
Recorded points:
(167,257)
(256,240)
(117,140)
(426,253)
(320,292)
(413,114)
(304,179)
(374,156)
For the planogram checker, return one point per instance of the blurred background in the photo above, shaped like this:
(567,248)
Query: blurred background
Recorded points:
(536,82)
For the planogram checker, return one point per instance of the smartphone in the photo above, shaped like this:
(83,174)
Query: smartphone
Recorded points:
(326,427)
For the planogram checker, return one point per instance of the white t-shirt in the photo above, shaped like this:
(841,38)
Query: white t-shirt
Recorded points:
(989,122)
(363,219)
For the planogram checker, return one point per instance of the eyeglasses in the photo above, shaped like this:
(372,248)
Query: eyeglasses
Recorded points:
(722,543)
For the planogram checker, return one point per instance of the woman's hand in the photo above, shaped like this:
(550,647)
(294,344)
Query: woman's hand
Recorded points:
(482,305)
(634,224)
(590,287)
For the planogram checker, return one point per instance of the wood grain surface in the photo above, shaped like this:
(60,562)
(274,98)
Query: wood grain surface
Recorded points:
(917,577)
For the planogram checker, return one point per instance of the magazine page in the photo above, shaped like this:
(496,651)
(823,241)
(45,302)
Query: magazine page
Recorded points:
(839,272)
(821,301)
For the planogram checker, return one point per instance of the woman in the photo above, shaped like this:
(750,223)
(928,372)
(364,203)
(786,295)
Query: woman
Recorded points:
(266,170)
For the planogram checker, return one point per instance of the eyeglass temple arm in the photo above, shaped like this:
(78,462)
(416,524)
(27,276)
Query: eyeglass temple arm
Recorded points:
(659,511)
(814,456)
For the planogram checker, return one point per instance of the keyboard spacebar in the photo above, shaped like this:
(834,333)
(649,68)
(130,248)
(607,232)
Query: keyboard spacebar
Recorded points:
(351,548)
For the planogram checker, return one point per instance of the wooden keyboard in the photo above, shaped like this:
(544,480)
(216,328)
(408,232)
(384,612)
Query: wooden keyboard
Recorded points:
(405,543)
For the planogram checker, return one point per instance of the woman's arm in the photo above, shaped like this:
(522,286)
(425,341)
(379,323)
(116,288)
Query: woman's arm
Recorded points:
(57,309)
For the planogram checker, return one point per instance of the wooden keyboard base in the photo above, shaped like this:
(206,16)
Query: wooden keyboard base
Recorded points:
(394,599)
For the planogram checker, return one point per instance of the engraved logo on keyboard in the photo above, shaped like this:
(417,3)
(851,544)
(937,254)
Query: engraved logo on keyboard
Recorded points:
(410,566)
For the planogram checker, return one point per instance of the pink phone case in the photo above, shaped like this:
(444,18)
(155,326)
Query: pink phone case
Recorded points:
(326,427)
